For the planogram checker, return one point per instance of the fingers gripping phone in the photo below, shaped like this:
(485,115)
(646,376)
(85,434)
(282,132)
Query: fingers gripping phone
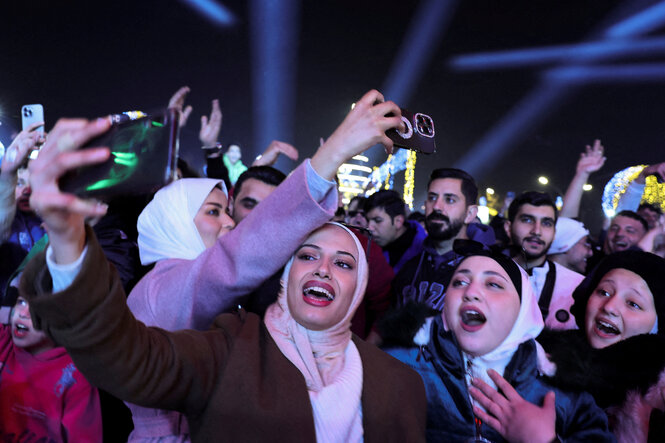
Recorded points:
(419,133)
(144,150)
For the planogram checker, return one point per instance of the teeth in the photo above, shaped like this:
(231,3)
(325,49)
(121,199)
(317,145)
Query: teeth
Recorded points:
(21,327)
(319,292)
(607,327)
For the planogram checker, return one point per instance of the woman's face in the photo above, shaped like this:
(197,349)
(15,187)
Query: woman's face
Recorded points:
(323,278)
(621,306)
(212,220)
(481,305)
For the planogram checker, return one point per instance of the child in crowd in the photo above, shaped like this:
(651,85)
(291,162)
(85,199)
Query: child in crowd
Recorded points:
(43,397)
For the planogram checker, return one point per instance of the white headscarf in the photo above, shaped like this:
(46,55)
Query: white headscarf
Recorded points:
(327,359)
(166,225)
(528,325)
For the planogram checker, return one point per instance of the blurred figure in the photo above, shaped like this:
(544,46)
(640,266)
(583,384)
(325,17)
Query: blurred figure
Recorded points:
(233,164)
(571,246)
(355,214)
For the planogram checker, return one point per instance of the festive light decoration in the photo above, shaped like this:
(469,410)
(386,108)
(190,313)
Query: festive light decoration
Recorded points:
(410,179)
(654,192)
(389,176)
(352,182)
(383,174)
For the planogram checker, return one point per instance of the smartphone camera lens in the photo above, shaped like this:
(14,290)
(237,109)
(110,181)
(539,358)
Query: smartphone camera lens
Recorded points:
(27,112)
(425,125)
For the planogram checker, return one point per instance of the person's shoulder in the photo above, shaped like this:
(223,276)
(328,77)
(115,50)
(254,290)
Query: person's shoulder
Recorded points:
(235,321)
(376,360)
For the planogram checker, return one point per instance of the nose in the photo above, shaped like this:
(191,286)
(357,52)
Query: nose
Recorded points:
(536,228)
(471,293)
(611,306)
(323,269)
(227,225)
(22,311)
(27,190)
(438,205)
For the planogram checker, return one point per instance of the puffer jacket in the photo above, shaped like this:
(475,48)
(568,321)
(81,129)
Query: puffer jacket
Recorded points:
(449,411)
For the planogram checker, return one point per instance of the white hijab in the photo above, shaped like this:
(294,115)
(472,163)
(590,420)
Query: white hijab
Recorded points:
(528,325)
(166,225)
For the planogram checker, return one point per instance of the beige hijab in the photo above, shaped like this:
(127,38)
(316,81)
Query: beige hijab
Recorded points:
(319,355)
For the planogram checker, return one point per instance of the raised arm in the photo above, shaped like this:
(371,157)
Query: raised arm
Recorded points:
(590,161)
(179,294)
(15,156)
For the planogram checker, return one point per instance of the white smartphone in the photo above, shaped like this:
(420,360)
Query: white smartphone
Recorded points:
(32,114)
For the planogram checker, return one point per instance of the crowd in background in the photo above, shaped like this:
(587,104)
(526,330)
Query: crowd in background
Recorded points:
(533,327)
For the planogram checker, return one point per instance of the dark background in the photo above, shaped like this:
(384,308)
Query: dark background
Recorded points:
(93,58)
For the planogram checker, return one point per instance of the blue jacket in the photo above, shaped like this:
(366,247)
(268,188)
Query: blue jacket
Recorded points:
(449,412)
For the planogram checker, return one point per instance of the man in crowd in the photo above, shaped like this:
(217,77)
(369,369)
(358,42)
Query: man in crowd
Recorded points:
(450,209)
(626,230)
(571,246)
(355,215)
(531,224)
(400,239)
(251,188)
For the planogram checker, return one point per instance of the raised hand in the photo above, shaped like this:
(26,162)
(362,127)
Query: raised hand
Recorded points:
(24,143)
(657,169)
(269,156)
(63,214)
(177,101)
(363,127)
(510,415)
(592,159)
(209,133)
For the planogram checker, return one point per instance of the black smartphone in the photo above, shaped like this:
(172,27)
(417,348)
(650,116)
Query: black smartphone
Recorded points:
(144,151)
(419,134)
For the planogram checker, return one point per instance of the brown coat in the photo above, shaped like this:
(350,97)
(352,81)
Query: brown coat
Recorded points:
(232,382)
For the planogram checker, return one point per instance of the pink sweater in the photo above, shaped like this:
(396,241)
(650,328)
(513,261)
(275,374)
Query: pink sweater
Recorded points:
(44,397)
(189,294)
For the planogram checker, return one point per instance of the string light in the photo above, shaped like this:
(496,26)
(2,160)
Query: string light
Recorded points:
(389,181)
(410,179)
(654,192)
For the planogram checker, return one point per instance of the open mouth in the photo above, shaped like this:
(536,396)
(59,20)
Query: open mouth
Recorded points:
(318,293)
(606,328)
(20,330)
(472,319)
(620,245)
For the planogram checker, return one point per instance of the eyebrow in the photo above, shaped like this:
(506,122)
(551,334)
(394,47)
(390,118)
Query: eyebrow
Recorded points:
(215,204)
(318,248)
(493,273)
(641,295)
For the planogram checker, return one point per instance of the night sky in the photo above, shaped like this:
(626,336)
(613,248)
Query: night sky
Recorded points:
(93,58)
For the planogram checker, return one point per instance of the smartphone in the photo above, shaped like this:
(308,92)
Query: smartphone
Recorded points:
(32,114)
(144,152)
(419,134)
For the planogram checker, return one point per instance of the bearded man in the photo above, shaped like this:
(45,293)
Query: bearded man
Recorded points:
(450,211)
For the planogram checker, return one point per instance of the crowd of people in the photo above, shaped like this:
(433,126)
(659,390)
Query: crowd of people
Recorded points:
(248,305)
